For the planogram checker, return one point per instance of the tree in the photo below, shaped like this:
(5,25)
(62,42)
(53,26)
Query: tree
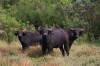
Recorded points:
(9,25)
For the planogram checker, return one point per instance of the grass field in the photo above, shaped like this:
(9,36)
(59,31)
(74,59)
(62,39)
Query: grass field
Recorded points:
(80,55)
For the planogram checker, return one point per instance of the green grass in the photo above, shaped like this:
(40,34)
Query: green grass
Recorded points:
(97,43)
(81,54)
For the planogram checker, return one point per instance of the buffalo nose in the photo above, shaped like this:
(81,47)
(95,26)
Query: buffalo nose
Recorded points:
(44,33)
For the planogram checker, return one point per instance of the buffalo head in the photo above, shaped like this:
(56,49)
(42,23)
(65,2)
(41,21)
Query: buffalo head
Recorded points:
(45,31)
(19,33)
(77,32)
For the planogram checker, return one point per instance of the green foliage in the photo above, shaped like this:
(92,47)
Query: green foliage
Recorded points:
(89,11)
(57,13)
(7,3)
(46,12)
(9,25)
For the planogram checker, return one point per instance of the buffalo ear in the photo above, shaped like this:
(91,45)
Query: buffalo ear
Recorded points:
(50,31)
(40,31)
(82,29)
(72,30)
(23,34)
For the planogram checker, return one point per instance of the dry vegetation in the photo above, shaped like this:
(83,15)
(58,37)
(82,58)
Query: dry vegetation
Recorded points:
(80,55)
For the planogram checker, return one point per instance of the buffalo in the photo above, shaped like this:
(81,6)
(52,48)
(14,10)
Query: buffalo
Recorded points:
(54,38)
(73,34)
(28,38)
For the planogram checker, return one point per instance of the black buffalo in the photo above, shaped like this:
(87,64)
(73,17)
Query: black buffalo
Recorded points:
(73,34)
(56,38)
(28,38)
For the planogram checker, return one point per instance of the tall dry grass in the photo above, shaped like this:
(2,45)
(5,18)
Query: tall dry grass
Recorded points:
(80,55)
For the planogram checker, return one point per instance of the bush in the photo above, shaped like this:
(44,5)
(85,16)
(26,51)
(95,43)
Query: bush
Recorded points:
(9,25)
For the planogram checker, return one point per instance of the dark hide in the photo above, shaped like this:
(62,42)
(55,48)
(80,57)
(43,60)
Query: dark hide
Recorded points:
(56,38)
(28,38)
(73,34)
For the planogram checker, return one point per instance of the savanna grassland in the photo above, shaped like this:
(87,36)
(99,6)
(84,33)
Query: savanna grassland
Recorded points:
(80,55)
(30,14)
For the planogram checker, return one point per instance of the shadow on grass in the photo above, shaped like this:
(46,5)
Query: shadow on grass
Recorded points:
(34,52)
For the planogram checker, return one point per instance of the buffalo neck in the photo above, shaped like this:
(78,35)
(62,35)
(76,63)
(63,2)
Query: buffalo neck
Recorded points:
(44,39)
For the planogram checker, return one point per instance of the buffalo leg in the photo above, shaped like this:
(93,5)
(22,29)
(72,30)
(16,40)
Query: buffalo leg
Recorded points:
(44,50)
(70,44)
(62,50)
(23,47)
(50,50)
(66,47)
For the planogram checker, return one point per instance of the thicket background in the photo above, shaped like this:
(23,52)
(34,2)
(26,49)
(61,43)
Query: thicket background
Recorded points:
(29,14)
